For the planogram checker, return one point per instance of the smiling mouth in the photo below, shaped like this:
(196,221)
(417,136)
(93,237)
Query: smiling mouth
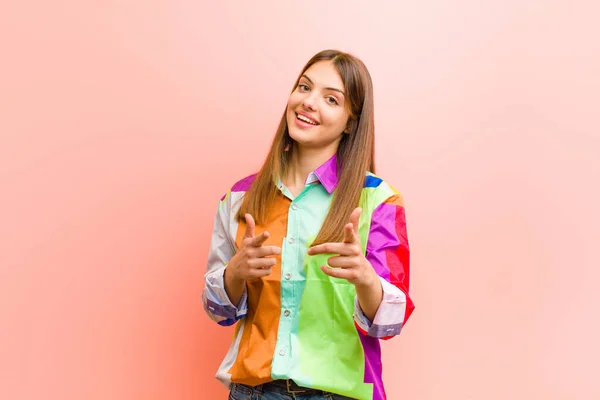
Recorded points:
(304,118)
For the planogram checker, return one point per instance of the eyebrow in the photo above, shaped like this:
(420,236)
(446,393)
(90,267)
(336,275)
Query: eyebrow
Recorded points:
(328,88)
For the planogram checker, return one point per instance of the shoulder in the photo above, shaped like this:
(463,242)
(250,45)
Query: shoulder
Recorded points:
(379,191)
(240,187)
(231,200)
(244,184)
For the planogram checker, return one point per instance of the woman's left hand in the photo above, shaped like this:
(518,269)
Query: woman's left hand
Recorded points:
(350,263)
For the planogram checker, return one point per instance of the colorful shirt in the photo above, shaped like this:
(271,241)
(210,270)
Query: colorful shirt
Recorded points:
(299,323)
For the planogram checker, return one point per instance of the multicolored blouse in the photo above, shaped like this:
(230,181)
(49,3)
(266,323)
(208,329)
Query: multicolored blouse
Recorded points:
(298,323)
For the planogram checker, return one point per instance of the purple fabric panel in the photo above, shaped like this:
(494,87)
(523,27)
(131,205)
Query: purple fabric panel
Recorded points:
(382,237)
(373,368)
(244,184)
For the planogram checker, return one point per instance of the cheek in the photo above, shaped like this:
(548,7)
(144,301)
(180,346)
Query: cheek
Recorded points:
(292,105)
(335,117)
(294,100)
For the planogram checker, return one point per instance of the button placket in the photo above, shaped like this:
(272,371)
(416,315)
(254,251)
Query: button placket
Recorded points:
(288,301)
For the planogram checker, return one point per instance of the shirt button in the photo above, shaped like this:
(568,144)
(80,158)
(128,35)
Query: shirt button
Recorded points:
(294,206)
(282,352)
(291,240)
(288,276)
(286,313)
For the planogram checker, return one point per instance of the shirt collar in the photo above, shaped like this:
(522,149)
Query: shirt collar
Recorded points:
(326,174)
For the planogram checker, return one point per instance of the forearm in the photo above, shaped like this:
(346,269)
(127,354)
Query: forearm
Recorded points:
(234,287)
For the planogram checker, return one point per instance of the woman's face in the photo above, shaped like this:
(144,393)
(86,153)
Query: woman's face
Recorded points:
(317,112)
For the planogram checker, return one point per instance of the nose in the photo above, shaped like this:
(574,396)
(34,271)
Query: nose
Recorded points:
(309,101)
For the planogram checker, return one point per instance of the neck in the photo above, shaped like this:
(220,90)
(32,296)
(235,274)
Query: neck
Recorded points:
(303,161)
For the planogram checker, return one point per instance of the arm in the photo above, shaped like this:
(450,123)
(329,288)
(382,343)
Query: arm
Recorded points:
(388,253)
(369,297)
(224,300)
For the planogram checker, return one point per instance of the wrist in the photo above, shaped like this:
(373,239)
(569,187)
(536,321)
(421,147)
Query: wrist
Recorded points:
(369,281)
(231,277)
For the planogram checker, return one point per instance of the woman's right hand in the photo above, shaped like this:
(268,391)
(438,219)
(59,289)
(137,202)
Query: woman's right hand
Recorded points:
(250,262)
(253,259)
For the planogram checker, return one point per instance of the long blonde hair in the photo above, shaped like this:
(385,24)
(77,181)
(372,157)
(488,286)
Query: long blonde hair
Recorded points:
(355,153)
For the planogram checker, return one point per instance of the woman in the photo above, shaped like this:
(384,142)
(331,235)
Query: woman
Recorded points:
(310,256)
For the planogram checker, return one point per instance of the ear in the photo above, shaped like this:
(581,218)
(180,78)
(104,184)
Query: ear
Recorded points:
(351,126)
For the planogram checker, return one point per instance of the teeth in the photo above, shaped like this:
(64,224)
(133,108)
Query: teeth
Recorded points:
(305,119)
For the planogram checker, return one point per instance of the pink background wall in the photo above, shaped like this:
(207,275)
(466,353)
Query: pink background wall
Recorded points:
(123,122)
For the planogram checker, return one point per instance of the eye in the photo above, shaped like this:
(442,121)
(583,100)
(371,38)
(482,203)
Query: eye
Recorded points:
(303,87)
(332,100)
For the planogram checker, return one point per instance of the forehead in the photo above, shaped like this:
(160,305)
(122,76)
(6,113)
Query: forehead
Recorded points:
(324,73)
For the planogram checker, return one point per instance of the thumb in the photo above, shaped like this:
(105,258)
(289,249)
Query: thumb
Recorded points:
(355,218)
(249,226)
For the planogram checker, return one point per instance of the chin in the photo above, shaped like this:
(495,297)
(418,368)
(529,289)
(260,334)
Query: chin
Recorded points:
(294,134)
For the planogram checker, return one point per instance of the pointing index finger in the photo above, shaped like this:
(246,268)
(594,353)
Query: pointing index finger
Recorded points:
(260,239)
